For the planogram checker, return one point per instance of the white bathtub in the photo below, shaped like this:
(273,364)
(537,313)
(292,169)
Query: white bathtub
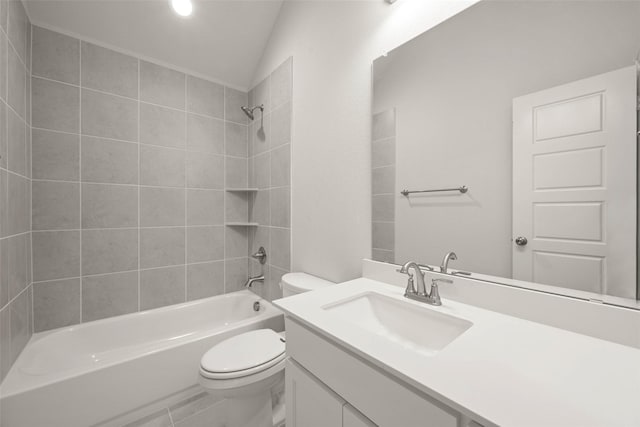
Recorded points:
(86,374)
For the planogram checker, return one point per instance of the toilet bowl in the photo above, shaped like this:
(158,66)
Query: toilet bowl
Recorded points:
(246,368)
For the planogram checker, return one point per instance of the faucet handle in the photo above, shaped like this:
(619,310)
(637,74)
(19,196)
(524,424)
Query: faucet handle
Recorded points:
(411,288)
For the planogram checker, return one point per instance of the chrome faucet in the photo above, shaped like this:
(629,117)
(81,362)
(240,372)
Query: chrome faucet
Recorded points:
(420,294)
(450,256)
(251,280)
(405,269)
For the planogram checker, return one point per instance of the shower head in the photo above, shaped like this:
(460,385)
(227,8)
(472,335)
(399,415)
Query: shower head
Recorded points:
(249,111)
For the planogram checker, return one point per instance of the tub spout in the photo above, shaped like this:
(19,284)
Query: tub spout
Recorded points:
(251,280)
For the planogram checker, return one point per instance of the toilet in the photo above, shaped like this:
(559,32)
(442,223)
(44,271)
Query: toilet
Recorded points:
(246,368)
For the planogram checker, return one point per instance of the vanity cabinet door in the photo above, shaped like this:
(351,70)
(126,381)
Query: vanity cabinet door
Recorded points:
(351,417)
(310,403)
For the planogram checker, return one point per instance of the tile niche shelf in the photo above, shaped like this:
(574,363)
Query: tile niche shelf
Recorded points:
(245,191)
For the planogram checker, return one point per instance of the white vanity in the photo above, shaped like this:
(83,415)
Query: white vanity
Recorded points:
(361,354)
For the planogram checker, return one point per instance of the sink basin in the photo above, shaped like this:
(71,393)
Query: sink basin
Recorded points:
(416,328)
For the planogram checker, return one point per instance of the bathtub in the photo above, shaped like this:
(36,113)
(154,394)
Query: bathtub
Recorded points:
(86,374)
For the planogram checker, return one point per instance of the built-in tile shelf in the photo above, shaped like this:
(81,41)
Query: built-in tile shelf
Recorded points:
(242,190)
(242,224)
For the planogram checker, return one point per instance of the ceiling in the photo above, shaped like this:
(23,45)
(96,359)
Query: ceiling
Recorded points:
(222,40)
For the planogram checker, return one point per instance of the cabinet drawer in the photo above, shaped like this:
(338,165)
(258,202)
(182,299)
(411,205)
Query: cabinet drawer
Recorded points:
(384,400)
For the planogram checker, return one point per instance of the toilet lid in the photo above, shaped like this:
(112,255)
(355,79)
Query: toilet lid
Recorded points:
(260,348)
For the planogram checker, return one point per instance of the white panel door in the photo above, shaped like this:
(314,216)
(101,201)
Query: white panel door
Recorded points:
(574,185)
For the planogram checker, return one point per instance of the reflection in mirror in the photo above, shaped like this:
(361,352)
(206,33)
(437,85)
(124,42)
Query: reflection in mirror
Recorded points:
(531,105)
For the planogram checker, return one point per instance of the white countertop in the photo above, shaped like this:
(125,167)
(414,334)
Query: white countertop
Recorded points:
(503,370)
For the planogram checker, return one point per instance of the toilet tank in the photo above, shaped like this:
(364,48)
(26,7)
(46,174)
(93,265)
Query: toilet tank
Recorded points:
(297,283)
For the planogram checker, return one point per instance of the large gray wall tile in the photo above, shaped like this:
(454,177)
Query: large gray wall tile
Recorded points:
(56,255)
(17,259)
(281,207)
(383,207)
(56,304)
(109,206)
(5,341)
(18,204)
(16,83)
(16,144)
(109,161)
(281,248)
(205,280)
(162,286)
(3,134)
(161,85)
(262,171)
(205,97)
(383,180)
(56,205)
(20,322)
(281,166)
(109,295)
(18,24)
(55,106)
(205,134)
(234,99)
(236,272)
(281,125)
(205,207)
(383,153)
(162,126)
(4,272)
(260,207)
(384,125)
(236,207)
(236,172)
(236,242)
(205,171)
(4,178)
(162,206)
(4,46)
(109,71)
(383,235)
(108,251)
(109,116)
(160,247)
(55,155)
(162,166)
(205,244)
(236,140)
(56,56)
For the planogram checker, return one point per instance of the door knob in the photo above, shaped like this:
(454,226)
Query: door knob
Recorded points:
(521,241)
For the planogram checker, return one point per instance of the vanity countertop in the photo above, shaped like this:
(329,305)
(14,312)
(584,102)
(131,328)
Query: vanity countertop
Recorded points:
(503,370)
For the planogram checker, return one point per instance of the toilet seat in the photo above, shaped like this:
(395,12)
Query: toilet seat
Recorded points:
(243,355)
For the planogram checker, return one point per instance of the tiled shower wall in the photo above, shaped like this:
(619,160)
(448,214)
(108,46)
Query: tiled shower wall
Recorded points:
(15,184)
(130,165)
(383,163)
(270,172)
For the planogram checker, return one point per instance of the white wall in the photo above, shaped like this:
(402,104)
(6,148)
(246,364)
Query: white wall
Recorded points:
(333,44)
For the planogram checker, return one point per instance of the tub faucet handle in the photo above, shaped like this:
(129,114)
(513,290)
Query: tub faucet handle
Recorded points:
(261,255)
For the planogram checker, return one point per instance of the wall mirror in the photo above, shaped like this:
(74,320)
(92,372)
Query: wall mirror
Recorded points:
(524,114)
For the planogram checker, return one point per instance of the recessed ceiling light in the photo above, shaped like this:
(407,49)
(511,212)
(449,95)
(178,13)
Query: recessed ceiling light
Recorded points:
(182,7)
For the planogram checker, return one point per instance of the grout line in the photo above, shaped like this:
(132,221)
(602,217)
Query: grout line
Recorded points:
(138,188)
(186,242)
(80,169)
(141,269)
